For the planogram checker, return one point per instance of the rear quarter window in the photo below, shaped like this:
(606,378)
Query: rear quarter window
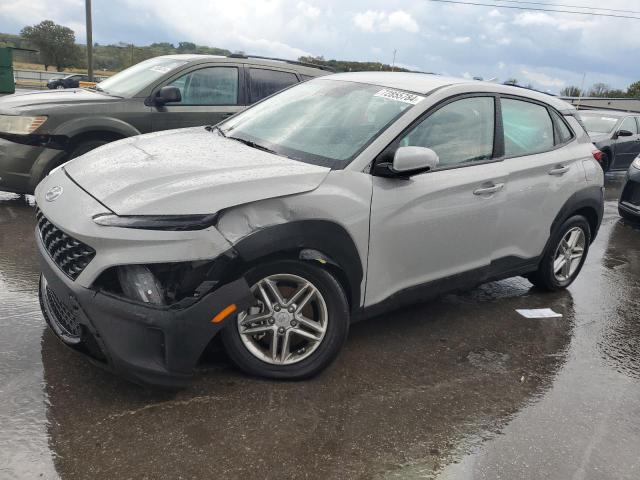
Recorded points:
(563,132)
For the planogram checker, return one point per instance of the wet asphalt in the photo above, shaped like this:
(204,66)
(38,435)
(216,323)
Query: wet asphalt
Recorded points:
(459,388)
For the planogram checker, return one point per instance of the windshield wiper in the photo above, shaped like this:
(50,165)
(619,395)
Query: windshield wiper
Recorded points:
(257,146)
(211,128)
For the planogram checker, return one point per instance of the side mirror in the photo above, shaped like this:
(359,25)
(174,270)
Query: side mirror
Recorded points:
(623,133)
(408,161)
(168,95)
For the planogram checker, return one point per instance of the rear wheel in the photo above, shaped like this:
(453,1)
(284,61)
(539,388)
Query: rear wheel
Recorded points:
(565,255)
(297,325)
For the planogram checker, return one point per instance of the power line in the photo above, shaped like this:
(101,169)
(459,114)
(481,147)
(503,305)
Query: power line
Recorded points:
(593,14)
(568,6)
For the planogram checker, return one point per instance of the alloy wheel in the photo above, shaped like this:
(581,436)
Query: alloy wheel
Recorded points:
(569,254)
(288,321)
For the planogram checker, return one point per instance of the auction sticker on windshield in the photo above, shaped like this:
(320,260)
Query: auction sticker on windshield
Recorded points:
(399,96)
(166,68)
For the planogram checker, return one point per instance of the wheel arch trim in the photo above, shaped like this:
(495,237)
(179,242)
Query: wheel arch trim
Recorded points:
(323,241)
(590,199)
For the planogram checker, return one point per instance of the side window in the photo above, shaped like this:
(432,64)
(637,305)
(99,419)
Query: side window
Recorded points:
(527,128)
(460,132)
(304,78)
(208,86)
(629,123)
(265,82)
(564,134)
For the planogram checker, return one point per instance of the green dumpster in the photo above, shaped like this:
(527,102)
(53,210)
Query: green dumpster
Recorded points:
(7,83)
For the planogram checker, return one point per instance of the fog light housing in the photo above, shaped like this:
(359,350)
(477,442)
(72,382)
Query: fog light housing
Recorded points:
(140,284)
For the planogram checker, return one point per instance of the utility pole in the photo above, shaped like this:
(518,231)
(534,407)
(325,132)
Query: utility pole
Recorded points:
(393,64)
(89,41)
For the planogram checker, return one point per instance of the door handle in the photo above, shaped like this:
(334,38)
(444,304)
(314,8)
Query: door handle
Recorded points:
(489,189)
(559,170)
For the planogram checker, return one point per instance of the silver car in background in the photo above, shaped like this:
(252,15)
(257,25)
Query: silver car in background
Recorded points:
(337,199)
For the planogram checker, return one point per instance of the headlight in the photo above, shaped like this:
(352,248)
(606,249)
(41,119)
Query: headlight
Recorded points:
(636,162)
(19,125)
(158,222)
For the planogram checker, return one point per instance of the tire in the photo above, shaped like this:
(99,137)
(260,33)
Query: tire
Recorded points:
(87,146)
(254,354)
(628,216)
(80,149)
(549,278)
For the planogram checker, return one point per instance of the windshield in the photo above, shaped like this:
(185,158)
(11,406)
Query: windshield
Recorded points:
(324,122)
(130,81)
(598,123)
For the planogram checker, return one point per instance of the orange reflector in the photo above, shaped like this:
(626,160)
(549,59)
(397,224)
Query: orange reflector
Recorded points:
(224,313)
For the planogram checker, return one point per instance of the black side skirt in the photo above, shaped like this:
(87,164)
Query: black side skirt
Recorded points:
(498,269)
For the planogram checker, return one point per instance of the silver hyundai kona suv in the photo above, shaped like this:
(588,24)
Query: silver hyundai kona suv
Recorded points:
(337,199)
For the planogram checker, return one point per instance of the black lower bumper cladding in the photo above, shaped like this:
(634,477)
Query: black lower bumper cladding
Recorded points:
(154,345)
(630,198)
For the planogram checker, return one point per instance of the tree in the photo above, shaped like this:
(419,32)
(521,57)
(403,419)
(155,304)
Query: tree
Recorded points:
(57,44)
(634,90)
(186,47)
(571,91)
(599,90)
(511,81)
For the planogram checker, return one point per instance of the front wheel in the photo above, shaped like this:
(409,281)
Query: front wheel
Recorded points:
(297,325)
(565,255)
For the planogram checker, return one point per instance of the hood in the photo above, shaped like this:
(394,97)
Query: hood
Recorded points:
(53,98)
(187,171)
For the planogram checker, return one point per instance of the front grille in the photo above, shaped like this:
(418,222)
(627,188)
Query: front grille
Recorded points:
(62,316)
(70,255)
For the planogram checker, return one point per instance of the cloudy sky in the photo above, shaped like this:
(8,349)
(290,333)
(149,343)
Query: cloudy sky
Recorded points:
(549,50)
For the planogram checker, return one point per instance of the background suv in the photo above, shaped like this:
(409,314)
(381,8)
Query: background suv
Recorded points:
(339,198)
(41,130)
(616,134)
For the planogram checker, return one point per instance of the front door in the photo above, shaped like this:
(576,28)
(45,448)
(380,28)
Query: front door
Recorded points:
(438,225)
(209,95)
(626,148)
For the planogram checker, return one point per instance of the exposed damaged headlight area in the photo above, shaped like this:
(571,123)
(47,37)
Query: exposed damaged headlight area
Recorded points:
(166,284)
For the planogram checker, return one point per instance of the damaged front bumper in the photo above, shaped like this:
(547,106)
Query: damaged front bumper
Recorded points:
(148,344)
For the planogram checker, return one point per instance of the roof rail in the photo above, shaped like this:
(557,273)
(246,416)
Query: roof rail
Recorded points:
(293,62)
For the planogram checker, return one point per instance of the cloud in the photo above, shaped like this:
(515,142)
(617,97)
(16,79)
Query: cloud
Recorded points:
(307,10)
(541,19)
(461,39)
(376,21)
(543,79)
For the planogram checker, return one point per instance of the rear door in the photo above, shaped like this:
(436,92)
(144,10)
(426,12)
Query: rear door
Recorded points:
(440,224)
(210,93)
(543,162)
(626,148)
(267,81)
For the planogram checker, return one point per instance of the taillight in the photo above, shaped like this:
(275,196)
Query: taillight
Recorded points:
(597,154)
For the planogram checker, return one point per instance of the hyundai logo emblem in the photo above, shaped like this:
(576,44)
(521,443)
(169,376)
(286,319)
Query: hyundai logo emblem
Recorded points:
(53,193)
